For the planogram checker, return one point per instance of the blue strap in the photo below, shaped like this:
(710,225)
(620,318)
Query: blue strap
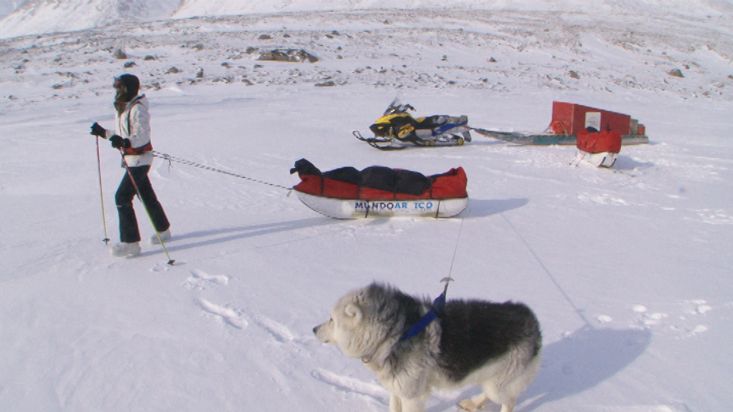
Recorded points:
(445,127)
(420,325)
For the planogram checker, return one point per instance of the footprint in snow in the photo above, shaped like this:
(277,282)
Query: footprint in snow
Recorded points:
(639,309)
(226,314)
(694,308)
(714,216)
(602,199)
(648,319)
(200,280)
(685,325)
(697,307)
(604,319)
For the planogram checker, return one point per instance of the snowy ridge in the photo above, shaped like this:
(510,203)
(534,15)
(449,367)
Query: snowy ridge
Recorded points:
(501,52)
(47,16)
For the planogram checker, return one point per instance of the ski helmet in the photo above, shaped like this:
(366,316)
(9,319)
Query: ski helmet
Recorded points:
(127,86)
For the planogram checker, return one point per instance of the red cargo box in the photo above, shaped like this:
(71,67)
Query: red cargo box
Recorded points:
(571,118)
(607,141)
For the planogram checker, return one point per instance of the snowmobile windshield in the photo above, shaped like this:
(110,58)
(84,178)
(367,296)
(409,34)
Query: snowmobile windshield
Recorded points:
(391,107)
(396,107)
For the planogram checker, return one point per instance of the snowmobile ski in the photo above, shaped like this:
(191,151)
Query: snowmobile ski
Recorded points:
(395,144)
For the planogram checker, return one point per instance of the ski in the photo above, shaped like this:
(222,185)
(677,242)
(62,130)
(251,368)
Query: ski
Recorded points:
(378,143)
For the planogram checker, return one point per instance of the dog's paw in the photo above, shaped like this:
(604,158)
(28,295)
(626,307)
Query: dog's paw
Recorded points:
(468,405)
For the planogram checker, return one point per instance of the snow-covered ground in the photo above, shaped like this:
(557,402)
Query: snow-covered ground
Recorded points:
(628,270)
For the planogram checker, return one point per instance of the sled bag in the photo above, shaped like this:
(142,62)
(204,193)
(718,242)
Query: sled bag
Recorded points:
(599,142)
(379,182)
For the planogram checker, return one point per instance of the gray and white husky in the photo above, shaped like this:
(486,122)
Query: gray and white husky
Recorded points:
(494,345)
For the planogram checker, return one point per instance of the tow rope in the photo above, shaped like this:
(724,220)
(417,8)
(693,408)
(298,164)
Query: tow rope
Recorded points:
(171,158)
(436,309)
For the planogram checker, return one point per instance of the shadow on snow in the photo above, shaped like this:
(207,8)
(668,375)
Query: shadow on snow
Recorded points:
(214,236)
(575,364)
(478,208)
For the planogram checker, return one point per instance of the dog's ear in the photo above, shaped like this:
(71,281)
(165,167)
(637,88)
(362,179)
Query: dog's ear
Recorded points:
(353,312)
(361,297)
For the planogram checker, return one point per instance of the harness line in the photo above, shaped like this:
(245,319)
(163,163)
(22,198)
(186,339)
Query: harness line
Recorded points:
(455,251)
(436,309)
(578,311)
(171,158)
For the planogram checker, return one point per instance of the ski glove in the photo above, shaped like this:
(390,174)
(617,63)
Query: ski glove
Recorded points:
(119,142)
(98,130)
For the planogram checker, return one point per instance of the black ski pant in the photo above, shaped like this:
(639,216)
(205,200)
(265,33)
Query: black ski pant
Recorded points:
(129,231)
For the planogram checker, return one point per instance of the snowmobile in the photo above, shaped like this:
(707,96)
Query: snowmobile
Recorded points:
(398,129)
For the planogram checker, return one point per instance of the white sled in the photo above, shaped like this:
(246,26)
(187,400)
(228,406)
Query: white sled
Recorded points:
(356,208)
(603,159)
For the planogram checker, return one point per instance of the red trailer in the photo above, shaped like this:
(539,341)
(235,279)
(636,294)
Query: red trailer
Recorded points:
(570,119)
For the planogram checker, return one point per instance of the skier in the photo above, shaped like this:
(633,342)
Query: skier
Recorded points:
(132,138)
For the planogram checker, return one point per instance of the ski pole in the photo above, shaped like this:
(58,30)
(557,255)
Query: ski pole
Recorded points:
(150,218)
(101,195)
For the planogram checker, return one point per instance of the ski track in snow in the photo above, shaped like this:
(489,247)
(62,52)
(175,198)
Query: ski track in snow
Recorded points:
(278,331)
(351,385)
(225,313)
(200,281)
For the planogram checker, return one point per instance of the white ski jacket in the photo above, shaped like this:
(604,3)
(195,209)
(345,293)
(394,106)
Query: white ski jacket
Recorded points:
(134,124)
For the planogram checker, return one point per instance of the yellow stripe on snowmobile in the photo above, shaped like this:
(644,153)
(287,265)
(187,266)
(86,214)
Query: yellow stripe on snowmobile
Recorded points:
(388,118)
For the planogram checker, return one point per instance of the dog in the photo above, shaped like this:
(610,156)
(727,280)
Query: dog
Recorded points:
(474,342)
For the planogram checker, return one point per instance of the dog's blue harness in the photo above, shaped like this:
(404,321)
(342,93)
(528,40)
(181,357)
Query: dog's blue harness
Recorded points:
(435,310)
